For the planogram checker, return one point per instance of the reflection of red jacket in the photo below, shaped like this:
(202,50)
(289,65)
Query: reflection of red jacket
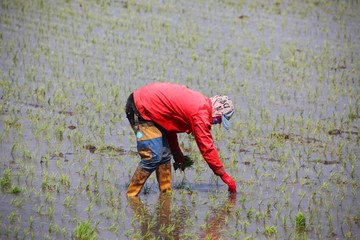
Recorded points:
(178,109)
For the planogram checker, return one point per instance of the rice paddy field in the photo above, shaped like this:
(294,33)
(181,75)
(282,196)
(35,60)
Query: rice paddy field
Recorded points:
(67,152)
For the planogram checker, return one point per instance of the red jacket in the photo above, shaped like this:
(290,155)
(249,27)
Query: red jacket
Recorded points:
(178,109)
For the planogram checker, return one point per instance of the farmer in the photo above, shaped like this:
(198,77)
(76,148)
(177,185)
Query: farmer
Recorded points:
(157,112)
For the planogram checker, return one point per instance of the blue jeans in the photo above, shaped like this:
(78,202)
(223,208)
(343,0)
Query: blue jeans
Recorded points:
(153,146)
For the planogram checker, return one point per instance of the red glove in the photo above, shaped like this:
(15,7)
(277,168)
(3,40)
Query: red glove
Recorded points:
(229,181)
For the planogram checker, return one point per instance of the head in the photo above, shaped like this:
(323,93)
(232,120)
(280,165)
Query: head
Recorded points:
(222,111)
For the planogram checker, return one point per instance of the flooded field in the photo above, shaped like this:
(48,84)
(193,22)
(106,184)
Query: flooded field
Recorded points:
(292,69)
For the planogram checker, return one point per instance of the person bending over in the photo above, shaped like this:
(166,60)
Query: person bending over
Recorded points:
(157,112)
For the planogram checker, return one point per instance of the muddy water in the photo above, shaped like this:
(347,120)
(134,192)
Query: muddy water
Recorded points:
(292,69)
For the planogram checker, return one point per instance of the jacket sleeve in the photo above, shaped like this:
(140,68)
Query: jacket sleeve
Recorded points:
(201,130)
(174,145)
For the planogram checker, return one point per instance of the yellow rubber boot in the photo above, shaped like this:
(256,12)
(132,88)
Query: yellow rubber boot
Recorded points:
(163,175)
(137,182)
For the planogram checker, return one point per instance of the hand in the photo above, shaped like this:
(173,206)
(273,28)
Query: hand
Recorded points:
(229,181)
(183,163)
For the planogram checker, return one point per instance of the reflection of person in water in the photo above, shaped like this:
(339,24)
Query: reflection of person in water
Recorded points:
(162,221)
(216,223)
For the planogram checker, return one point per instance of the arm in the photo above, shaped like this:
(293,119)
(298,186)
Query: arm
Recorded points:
(204,140)
(201,130)
(174,145)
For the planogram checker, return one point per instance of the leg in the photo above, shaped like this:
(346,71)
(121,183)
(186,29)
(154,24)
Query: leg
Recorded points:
(137,182)
(152,152)
(163,175)
(163,172)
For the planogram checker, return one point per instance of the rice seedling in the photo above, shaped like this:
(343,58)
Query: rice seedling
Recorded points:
(6,180)
(300,221)
(84,230)
(270,230)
